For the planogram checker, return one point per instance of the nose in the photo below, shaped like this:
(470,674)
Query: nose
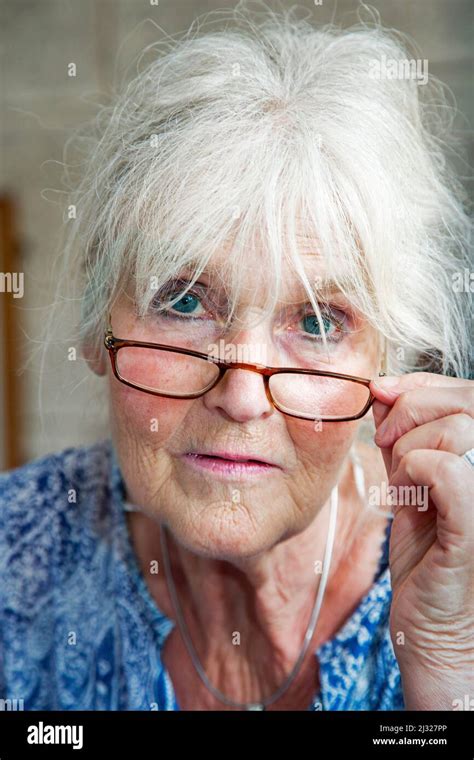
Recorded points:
(240,395)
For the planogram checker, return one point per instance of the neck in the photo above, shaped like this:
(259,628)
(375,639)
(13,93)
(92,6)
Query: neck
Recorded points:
(269,596)
(247,620)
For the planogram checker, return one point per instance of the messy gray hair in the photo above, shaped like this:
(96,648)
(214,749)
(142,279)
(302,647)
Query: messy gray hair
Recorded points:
(245,136)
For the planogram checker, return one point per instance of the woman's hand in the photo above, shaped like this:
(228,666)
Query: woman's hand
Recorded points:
(428,424)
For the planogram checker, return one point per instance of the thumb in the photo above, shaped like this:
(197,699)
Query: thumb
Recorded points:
(380,411)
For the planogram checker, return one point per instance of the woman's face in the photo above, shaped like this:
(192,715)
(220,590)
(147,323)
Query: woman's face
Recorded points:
(215,508)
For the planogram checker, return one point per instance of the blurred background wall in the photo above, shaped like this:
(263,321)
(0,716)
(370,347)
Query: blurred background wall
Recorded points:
(40,103)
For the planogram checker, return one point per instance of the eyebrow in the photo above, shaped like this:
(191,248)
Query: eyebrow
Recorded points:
(327,287)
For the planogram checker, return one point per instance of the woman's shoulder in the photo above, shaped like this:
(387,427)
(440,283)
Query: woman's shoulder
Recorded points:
(47,504)
(52,482)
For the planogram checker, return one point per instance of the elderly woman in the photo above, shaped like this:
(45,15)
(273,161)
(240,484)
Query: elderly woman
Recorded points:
(273,254)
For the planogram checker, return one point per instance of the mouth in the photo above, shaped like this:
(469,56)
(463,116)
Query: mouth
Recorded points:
(229,464)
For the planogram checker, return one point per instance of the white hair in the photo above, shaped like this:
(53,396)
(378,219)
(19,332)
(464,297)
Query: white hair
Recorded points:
(237,138)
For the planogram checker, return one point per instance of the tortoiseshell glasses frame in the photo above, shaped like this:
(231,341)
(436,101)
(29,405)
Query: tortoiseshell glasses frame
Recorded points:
(113,346)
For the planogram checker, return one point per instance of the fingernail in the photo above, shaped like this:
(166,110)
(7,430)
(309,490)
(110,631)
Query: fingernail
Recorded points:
(388,385)
(391,381)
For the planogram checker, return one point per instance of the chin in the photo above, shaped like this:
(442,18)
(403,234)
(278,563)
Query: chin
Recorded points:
(229,531)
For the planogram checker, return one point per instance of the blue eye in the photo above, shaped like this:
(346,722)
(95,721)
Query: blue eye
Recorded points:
(189,307)
(311,324)
(186,304)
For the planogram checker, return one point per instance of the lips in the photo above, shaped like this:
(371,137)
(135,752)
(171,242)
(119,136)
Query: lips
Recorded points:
(233,457)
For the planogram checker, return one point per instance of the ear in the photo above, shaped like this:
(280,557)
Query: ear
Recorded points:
(96,361)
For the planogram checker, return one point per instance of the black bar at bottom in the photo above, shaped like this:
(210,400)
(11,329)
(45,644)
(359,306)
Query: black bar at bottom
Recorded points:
(154,734)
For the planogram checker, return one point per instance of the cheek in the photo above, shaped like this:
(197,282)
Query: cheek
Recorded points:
(149,420)
(323,446)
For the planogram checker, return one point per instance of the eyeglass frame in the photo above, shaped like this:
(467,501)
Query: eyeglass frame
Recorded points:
(114,344)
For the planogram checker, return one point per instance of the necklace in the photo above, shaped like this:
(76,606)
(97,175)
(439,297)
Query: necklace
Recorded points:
(308,635)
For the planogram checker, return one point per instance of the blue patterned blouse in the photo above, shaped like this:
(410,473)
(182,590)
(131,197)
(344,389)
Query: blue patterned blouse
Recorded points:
(79,629)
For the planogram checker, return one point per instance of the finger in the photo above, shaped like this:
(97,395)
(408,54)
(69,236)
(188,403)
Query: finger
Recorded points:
(388,388)
(454,433)
(417,407)
(450,481)
(414,524)
(380,412)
